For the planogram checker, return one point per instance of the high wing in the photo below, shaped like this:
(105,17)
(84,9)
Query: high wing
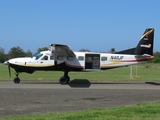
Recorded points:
(63,50)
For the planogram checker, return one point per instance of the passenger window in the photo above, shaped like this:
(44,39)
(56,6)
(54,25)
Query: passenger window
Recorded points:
(95,58)
(45,58)
(81,58)
(103,58)
(70,58)
(51,57)
(88,59)
(59,57)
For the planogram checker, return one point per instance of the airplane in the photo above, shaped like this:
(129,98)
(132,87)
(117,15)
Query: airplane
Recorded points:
(61,58)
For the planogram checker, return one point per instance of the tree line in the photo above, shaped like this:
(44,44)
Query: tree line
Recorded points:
(15,52)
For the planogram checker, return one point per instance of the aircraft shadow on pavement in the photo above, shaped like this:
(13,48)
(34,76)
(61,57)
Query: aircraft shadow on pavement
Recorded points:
(79,83)
(152,83)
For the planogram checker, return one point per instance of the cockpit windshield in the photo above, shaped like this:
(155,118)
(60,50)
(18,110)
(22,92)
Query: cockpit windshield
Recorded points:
(37,56)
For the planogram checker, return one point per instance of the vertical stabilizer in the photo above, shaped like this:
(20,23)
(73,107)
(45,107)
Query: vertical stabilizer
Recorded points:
(145,46)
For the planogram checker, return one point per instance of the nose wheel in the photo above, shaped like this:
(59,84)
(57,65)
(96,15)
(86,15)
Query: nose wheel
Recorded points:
(16,79)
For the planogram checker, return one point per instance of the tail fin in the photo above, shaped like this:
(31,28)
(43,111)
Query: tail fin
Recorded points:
(145,46)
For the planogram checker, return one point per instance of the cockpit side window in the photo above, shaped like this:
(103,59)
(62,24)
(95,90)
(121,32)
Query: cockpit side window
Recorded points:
(45,58)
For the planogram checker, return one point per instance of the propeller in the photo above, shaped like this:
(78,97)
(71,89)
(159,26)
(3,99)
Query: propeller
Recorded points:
(9,69)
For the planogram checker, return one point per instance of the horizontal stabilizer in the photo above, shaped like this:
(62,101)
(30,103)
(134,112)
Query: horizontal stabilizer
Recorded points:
(128,51)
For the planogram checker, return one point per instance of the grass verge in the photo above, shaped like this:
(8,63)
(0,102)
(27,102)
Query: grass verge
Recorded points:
(145,111)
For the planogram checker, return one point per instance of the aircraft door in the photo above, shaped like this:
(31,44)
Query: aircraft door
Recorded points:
(92,61)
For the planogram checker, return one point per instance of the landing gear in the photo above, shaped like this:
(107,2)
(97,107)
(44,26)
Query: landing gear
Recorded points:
(64,79)
(16,79)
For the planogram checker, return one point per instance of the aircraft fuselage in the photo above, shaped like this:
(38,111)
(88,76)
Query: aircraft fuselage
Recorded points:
(82,61)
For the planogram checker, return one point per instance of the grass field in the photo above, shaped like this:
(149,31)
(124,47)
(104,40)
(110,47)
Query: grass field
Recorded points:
(145,111)
(139,74)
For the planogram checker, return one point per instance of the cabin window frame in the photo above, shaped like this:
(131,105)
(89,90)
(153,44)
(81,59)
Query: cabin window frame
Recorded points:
(51,57)
(70,58)
(103,58)
(81,58)
(59,57)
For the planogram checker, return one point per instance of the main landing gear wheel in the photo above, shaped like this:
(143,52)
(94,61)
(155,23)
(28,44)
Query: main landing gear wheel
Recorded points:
(16,80)
(64,80)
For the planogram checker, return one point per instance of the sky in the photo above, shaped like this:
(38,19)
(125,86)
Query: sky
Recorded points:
(97,25)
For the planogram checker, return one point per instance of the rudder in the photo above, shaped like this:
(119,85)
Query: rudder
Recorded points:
(145,46)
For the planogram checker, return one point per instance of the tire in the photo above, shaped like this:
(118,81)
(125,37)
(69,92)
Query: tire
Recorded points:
(16,80)
(68,78)
(64,80)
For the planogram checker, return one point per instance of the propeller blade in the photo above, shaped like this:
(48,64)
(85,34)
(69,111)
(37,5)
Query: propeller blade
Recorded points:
(9,69)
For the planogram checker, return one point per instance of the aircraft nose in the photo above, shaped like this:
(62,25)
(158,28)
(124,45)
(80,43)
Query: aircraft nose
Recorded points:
(6,62)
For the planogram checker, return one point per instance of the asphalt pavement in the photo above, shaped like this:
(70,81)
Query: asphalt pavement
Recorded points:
(29,98)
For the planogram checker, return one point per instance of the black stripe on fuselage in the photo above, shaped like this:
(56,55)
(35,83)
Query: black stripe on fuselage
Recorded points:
(31,69)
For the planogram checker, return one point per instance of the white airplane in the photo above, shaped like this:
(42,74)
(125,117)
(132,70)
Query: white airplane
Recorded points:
(62,58)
